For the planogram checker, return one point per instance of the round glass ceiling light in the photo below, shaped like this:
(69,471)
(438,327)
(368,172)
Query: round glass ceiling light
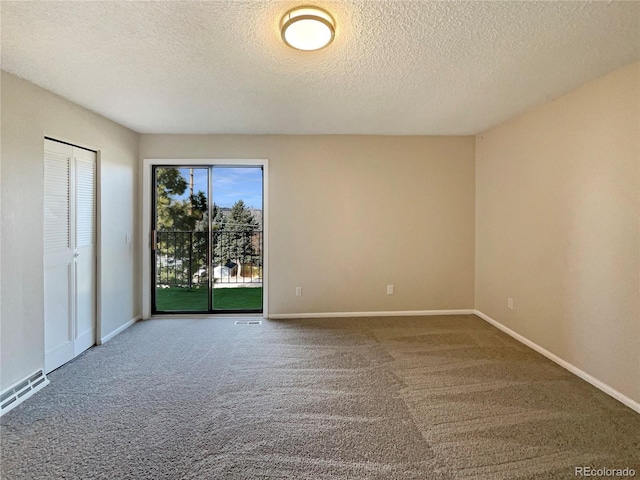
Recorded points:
(307,28)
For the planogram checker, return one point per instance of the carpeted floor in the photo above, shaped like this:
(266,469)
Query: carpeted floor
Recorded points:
(369,398)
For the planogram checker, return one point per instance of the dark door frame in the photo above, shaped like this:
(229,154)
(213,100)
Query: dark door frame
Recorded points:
(148,215)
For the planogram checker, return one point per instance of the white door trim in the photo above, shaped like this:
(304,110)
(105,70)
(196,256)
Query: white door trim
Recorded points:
(148,164)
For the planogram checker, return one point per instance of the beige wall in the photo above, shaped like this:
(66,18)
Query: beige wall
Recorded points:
(30,113)
(557,227)
(351,214)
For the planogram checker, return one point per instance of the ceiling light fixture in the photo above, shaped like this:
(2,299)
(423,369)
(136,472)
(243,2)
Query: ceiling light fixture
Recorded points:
(307,28)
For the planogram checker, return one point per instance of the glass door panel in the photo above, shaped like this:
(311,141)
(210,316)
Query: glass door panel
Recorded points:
(181,225)
(237,239)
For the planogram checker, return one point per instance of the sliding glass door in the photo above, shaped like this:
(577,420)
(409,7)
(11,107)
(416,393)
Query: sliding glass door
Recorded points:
(207,239)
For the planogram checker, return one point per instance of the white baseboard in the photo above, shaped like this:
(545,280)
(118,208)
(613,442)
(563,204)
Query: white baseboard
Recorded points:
(401,313)
(21,390)
(118,330)
(622,398)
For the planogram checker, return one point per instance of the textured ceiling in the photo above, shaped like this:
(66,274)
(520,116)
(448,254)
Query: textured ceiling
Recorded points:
(412,67)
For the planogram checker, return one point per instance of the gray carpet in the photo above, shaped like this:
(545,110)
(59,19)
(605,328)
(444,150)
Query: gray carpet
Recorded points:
(376,398)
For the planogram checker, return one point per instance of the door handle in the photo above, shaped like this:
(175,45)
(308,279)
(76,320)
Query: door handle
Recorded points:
(76,255)
(154,239)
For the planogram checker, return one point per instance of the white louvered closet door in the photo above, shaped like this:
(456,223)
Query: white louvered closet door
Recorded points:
(69,251)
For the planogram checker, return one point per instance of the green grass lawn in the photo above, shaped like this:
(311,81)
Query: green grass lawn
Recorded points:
(195,299)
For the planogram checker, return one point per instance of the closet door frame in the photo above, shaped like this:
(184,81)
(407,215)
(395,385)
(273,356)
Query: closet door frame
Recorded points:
(97,231)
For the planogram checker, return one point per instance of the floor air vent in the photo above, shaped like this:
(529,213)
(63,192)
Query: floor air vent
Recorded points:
(248,322)
(22,390)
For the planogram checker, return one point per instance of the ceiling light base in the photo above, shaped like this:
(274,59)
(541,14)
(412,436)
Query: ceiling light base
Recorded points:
(307,28)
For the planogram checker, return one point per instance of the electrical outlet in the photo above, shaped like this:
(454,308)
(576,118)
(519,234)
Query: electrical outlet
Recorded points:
(510,303)
(298,291)
(389,289)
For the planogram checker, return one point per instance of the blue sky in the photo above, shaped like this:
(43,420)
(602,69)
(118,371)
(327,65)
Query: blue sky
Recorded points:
(230,184)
